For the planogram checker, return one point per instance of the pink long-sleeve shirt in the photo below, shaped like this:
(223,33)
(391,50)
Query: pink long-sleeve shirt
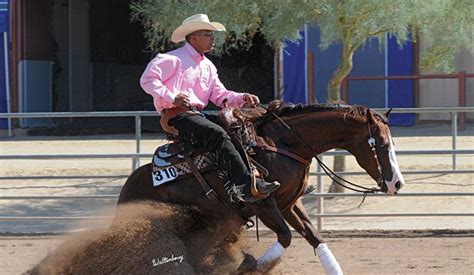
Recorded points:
(185,70)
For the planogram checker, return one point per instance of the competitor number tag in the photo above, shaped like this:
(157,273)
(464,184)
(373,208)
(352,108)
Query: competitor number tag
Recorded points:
(164,175)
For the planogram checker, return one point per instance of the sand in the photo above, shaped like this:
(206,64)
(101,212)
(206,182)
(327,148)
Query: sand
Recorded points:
(448,253)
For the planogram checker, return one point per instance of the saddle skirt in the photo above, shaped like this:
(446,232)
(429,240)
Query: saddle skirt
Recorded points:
(169,163)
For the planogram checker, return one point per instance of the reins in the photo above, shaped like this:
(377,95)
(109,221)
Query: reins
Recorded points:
(336,178)
(372,145)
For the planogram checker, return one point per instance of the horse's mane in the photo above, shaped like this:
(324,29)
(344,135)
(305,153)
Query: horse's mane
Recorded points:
(284,109)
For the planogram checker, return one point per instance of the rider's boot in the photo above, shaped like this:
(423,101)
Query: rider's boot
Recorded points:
(243,193)
(266,187)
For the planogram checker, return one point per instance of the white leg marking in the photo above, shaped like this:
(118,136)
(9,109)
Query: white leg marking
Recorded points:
(330,264)
(272,255)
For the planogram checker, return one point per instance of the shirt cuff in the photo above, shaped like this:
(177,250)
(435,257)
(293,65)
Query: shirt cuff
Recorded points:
(169,97)
(244,95)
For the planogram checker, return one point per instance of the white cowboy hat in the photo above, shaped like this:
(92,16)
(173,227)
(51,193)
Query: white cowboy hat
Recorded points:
(195,23)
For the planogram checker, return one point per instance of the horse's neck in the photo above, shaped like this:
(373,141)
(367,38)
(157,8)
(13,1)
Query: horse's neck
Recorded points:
(323,132)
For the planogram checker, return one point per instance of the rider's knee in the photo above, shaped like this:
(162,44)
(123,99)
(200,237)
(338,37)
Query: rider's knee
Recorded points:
(217,134)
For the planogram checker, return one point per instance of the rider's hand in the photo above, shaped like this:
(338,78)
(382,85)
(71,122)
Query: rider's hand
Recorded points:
(251,99)
(181,100)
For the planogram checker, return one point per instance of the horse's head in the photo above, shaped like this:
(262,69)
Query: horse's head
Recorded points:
(375,152)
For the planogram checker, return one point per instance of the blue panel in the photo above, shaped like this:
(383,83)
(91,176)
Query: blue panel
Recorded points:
(400,92)
(369,60)
(294,73)
(3,15)
(325,63)
(3,68)
(3,21)
(35,91)
(3,83)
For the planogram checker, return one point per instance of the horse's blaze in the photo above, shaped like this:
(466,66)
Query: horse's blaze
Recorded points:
(397,180)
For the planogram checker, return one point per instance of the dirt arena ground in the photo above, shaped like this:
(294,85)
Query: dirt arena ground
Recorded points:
(409,253)
(365,250)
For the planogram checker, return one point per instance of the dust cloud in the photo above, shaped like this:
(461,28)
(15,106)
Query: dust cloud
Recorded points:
(149,238)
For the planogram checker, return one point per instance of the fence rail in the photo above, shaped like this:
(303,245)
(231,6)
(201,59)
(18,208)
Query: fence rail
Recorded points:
(319,196)
(311,195)
(135,155)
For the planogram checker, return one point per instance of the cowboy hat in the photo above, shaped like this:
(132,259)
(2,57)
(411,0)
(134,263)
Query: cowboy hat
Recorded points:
(194,23)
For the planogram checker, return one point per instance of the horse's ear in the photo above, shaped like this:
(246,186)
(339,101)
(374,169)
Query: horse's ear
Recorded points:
(369,116)
(388,112)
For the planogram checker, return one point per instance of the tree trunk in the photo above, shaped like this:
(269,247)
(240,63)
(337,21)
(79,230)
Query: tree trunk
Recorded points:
(339,165)
(334,95)
(344,69)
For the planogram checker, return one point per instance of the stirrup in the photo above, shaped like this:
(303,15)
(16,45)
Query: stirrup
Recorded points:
(265,187)
(254,188)
(251,194)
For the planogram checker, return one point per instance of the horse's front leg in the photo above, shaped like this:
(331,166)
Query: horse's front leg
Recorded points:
(267,211)
(297,217)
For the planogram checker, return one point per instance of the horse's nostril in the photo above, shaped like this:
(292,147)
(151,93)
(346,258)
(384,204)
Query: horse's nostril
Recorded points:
(398,185)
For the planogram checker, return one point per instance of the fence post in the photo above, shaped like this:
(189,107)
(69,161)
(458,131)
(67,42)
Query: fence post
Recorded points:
(454,134)
(345,90)
(462,98)
(138,127)
(320,203)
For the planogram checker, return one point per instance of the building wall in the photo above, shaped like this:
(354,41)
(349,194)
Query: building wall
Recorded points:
(444,92)
(96,57)
(32,59)
(373,59)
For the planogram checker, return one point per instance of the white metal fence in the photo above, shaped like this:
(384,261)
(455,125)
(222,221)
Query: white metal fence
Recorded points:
(135,157)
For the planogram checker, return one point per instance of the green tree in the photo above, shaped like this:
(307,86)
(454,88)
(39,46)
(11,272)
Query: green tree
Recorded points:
(445,24)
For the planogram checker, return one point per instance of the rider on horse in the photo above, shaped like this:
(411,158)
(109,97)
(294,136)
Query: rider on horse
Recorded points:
(182,82)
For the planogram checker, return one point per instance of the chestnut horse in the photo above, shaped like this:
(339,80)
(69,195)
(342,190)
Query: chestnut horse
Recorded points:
(301,133)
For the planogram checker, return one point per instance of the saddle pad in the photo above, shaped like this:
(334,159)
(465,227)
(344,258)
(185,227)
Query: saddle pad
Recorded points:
(178,168)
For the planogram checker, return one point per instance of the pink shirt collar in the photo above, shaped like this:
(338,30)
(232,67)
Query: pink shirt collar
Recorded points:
(194,54)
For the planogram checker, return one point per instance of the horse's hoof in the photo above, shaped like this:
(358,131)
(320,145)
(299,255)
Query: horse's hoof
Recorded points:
(249,264)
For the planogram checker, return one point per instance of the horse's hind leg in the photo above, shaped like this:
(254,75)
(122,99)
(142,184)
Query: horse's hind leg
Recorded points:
(267,211)
(297,217)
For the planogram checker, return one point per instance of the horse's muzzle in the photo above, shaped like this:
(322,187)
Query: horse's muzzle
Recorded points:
(398,185)
(384,188)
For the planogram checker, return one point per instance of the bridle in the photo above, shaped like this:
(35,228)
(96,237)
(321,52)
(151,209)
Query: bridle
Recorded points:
(373,148)
(336,178)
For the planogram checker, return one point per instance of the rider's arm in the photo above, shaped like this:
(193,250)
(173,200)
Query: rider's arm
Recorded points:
(158,71)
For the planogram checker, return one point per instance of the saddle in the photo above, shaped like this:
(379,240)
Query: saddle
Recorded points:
(174,161)
(169,163)
(168,114)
